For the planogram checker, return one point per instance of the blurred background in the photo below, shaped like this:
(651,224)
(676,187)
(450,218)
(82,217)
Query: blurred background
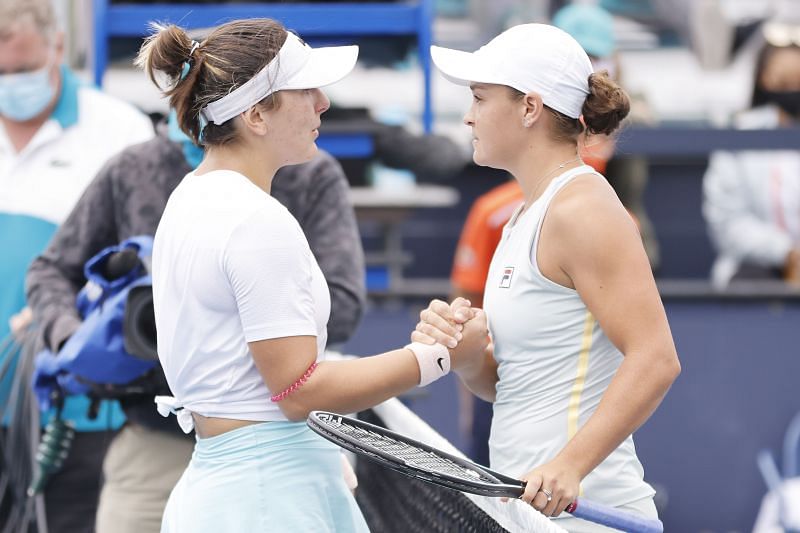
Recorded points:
(693,68)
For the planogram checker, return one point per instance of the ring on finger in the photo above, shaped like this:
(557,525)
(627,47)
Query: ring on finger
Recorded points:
(548,494)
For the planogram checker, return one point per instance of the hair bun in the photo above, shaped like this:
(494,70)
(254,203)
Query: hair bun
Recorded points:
(606,106)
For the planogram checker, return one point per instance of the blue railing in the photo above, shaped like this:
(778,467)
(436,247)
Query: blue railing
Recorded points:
(311,21)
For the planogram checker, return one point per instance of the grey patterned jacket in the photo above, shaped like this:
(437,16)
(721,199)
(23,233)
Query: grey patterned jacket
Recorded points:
(127,198)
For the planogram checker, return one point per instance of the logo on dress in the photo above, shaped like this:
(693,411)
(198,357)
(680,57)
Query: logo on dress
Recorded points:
(505,281)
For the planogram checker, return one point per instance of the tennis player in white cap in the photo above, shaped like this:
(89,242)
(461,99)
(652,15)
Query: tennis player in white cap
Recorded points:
(241,305)
(582,351)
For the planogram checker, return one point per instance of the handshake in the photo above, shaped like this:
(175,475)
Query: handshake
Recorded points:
(448,337)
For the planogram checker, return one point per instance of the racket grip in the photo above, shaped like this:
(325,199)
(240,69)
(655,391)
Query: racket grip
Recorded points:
(611,517)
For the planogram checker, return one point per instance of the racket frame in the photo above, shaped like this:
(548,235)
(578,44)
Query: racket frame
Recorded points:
(505,486)
(318,421)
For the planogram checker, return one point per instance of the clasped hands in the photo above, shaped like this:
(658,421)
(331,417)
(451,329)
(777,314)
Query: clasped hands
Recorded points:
(457,325)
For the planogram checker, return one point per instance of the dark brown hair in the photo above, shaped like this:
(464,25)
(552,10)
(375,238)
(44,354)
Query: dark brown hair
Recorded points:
(227,58)
(603,111)
(606,106)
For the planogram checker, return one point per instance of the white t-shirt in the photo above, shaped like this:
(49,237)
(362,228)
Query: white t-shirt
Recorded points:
(230,266)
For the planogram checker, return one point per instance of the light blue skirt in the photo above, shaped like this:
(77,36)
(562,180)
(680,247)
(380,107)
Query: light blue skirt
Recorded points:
(273,476)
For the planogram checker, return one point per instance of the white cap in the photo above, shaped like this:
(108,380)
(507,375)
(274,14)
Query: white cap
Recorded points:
(530,58)
(296,66)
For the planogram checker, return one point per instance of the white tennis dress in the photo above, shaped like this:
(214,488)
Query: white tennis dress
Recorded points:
(555,363)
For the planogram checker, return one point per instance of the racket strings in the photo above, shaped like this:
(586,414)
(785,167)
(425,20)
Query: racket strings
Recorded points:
(414,456)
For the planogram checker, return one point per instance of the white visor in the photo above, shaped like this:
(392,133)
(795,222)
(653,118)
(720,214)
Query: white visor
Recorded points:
(297,66)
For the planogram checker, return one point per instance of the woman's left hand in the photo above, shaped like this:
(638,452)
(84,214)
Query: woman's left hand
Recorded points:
(551,487)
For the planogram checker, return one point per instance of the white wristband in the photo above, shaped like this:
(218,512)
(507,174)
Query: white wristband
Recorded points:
(433,361)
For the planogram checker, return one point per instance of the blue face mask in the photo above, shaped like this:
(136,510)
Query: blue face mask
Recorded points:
(191,152)
(25,95)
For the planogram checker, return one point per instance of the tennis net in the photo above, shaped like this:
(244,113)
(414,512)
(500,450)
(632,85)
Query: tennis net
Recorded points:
(393,502)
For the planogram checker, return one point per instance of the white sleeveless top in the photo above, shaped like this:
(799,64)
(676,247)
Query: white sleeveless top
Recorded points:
(554,363)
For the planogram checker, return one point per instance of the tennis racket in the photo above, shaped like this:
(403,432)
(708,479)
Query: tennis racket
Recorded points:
(418,460)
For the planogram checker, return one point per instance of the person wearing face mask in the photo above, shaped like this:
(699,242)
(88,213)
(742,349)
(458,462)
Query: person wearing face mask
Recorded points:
(55,133)
(752,198)
(127,198)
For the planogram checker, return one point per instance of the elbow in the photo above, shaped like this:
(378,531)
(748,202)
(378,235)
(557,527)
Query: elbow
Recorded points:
(674,371)
(670,368)
(294,410)
(676,368)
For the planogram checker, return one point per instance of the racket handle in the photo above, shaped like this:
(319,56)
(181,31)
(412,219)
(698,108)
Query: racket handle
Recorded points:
(611,517)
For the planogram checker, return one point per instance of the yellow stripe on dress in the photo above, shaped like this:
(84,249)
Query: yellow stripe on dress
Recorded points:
(580,379)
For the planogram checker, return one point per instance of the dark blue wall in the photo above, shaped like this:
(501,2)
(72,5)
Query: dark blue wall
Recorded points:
(736,395)
(673,200)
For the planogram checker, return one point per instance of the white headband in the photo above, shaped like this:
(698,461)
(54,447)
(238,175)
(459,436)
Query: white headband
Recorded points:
(296,66)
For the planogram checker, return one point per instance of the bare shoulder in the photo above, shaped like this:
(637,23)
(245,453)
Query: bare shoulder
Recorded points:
(585,199)
(586,215)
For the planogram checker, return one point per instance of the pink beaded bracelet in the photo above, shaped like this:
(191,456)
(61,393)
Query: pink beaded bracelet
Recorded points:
(296,385)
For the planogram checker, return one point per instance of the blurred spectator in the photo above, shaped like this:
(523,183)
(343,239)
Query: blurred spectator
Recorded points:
(752,198)
(126,199)
(55,133)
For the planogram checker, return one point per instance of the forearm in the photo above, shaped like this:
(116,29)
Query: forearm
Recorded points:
(633,395)
(481,379)
(353,385)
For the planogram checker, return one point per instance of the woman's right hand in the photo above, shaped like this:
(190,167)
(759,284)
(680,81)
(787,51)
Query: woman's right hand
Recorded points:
(458,326)
(442,322)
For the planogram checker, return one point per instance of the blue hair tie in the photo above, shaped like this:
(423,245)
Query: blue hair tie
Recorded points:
(185,70)
(203,123)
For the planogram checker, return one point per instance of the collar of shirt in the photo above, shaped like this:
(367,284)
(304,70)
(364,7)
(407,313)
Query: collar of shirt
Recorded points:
(66,110)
